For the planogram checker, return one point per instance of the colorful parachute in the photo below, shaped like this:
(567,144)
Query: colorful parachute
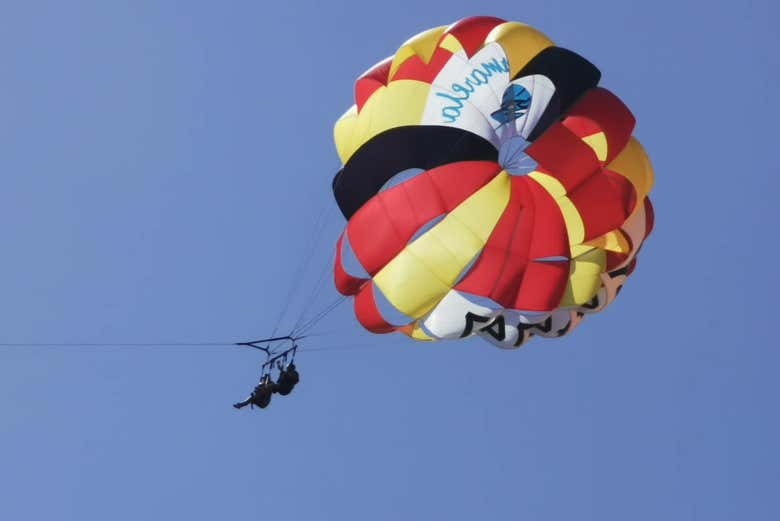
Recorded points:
(491,188)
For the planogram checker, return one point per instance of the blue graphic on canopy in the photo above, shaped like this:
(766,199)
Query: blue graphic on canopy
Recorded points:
(514,103)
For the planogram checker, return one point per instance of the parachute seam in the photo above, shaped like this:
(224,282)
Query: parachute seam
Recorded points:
(508,250)
(530,242)
(390,219)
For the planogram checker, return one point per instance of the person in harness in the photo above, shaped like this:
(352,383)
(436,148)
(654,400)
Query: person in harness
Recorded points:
(261,395)
(288,377)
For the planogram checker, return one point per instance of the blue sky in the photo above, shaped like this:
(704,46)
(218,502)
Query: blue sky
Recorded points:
(163,165)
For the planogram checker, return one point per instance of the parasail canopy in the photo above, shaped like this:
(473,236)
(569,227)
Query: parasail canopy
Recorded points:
(491,187)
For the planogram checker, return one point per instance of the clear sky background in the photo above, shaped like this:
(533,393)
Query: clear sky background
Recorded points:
(163,165)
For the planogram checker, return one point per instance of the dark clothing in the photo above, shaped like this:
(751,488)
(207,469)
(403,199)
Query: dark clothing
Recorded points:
(261,395)
(288,377)
(243,403)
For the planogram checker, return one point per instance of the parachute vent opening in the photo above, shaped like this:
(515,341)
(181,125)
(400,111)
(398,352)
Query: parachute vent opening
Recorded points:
(389,312)
(427,226)
(352,264)
(467,268)
(554,258)
(481,300)
(400,177)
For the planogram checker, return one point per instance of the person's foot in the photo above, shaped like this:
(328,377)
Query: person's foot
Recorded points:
(237,405)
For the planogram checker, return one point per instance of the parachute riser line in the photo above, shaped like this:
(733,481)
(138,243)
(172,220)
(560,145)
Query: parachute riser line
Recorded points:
(281,356)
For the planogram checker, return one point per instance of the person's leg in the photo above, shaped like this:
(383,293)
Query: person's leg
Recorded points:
(243,403)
